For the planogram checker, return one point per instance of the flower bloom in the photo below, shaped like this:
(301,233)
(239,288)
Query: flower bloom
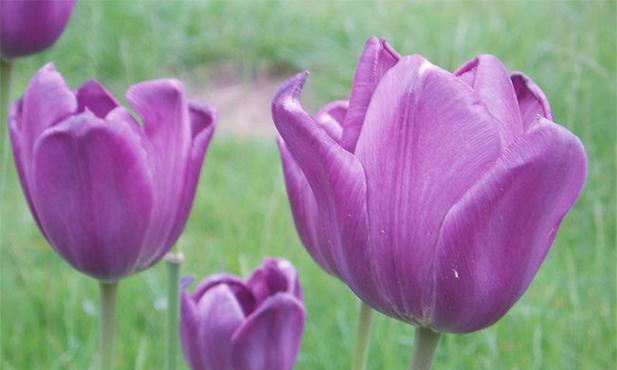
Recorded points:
(30,26)
(110,195)
(434,195)
(229,324)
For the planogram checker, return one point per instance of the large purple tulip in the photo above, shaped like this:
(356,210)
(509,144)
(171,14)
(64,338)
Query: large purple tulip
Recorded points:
(30,26)
(229,324)
(111,195)
(434,195)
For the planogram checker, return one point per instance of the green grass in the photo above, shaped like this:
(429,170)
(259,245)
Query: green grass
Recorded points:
(566,320)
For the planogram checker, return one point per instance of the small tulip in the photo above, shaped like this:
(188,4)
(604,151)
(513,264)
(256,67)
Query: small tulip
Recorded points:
(110,195)
(30,26)
(434,195)
(229,324)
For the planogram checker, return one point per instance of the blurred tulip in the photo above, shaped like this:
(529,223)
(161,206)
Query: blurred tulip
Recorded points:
(434,195)
(30,26)
(111,195)
(229,324)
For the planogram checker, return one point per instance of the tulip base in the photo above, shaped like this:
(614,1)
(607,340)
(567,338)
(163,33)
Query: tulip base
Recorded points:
(362,337)
(109,292)
(174,264)
(424,347)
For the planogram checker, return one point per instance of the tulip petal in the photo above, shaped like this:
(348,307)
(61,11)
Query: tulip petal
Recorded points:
(23,170)
(162,106)
(46,102)
(494,239)
(531,99)
(243,294)
(28,27)
(313,233)
(426,139)
(336,180)
(311,230)
(203,120)
(94,97)
(207,323)
(331,117)
(276,275)
(377,58)
(92,191)
(487,75)
(270,338)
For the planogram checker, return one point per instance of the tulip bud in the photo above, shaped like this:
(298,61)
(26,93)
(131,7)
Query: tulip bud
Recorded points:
(30,26)
(110,195)
(434,195)
(230,324)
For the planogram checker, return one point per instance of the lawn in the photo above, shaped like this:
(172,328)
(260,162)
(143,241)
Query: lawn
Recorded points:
(566,320)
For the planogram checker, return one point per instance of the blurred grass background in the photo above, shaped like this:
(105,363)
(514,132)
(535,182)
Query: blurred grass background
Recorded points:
(566,320)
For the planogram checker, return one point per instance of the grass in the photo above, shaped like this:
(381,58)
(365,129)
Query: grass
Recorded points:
(566,320)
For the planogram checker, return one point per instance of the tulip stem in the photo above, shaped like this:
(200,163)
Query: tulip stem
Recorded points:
(174,263)
(424,347)
(362,337)
(6,69)
(109,292)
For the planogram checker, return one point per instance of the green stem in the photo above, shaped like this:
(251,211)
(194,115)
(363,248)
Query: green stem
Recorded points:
(174,263)
(109,292)
(362,337)
(425,345)
(6,69)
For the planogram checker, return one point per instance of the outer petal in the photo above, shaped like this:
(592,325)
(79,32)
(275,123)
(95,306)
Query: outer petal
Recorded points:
(27,27)
(207,326)
(425,141)
(377,58)
(164,110)
(531,99)
(203,120)
(92,191)
(336,179)
(312,231)
(494,239)
(270,338)
(46,102)
(490,78)
(276,275)
(94,97)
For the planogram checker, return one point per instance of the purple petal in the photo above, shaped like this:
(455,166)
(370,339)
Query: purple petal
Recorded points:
(531,99)
(494,239)
(491,80)
(313,233)
(202,128)
(94,97)
(377,58)
(207,326)
(27,27)
(243,294)
(46,102)
(277,275)
(426,139)
(164,110)
(270,338)
(336,179)
(331,117)
(92,191)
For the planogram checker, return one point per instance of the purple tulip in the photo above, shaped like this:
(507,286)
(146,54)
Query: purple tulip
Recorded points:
(229,324)
(110,195)
(434,195)
(30,26)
